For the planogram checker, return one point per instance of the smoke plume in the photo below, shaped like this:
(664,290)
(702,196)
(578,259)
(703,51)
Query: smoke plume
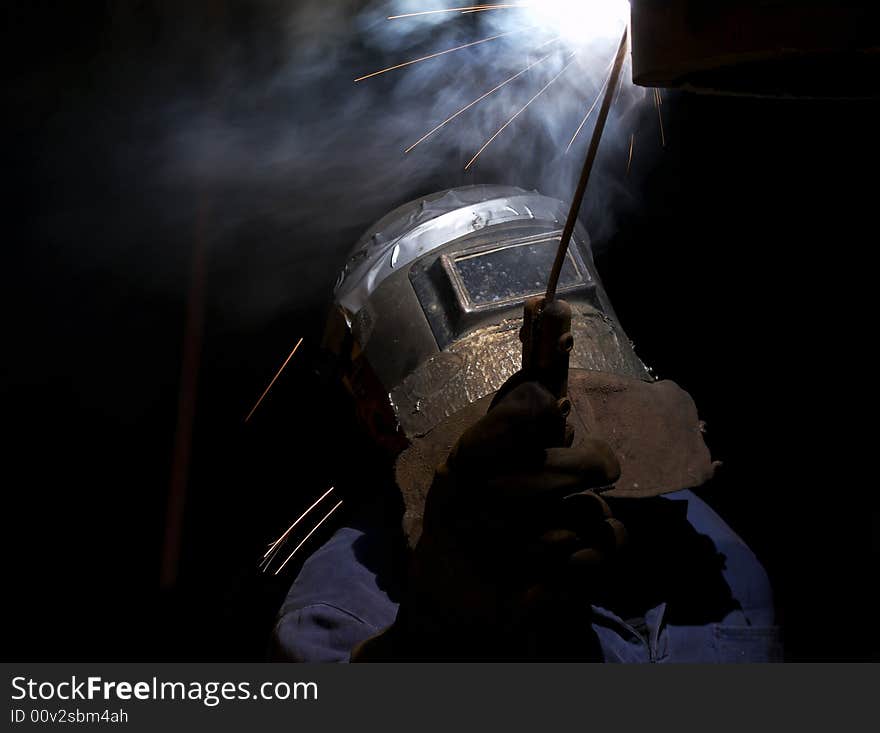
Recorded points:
(251,111)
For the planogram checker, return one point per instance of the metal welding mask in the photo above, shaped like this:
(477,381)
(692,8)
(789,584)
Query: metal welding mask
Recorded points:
(425,328)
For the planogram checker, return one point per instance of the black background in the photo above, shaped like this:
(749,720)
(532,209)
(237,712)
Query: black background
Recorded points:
(744,274)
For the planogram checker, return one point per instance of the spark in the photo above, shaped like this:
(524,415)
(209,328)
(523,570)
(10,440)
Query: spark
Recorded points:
(632,141)
(586,171)
(439,53)
(278,374)
(305,539)
(491,7)
(547,43)
(590,110)
(290,529)
(658,102)
(478,100)
(523,109)
(463,10)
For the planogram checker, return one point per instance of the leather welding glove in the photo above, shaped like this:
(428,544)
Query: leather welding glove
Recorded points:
(509,522)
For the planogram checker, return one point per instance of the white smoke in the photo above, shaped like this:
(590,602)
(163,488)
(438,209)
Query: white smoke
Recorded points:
(253,108)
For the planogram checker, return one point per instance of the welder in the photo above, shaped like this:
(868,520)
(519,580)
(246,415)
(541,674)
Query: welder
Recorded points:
(545,518)
(535,527)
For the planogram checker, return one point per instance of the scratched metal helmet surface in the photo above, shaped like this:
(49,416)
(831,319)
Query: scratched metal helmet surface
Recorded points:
(427,309)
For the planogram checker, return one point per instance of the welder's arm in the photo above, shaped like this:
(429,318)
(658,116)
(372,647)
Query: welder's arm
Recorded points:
(509,523)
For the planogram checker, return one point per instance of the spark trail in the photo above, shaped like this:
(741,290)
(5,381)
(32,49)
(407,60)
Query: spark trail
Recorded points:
(629,160)
(439,53)
(591,109)
(274,379)
(658,103)
(523,109)
(463,10)
(275,546)
(480,99)
(306,538)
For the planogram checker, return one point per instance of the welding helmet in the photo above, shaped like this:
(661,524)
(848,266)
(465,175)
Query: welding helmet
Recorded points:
(425,325)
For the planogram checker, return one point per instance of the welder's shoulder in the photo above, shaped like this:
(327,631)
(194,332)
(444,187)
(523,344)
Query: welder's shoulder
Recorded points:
(337,600)
(743,572)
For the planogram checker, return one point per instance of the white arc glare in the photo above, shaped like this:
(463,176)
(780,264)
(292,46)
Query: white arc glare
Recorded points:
(581,21)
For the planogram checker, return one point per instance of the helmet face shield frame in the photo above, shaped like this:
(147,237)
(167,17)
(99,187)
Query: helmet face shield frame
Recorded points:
(428,309)
(460,288)
(422,226)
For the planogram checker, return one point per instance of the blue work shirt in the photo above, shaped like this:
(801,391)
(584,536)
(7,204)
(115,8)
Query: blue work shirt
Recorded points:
(345,594)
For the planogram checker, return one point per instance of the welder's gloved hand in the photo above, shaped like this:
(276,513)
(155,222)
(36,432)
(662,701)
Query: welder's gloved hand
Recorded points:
(510,527)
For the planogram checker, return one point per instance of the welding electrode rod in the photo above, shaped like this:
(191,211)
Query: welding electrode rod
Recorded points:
(588,167)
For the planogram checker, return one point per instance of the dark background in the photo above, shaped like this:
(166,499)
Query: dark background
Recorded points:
(742,271)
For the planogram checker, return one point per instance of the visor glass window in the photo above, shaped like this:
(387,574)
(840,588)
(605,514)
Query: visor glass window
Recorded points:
(513,272)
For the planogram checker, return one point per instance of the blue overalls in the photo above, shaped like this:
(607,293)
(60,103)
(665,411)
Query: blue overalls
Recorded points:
(342,596)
